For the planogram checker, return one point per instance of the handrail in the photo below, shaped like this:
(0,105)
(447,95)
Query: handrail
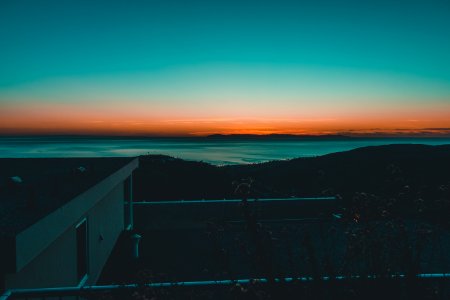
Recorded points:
(233,200)
(71,291)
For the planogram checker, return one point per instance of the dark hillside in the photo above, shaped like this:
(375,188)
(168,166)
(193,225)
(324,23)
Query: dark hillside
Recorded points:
(400,179)
(165,178)
(380,169)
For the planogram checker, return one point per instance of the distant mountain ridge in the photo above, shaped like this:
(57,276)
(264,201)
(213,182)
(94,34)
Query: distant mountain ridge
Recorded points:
(219,136)
(276,136)
(212,136)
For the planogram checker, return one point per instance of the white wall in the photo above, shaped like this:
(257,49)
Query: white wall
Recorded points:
(105,219)
(56,265)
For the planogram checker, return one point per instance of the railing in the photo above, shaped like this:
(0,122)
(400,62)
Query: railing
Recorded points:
(89,291)
(187,202)
(149,215)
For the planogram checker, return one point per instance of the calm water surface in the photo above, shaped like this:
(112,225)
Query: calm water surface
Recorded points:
(212,151)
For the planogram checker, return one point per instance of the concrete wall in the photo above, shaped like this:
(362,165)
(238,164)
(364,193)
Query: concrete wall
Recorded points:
(105,223)
(56,265)
(38,237)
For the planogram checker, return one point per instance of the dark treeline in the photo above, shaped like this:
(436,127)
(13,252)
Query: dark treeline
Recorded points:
(394,220)
(405,178)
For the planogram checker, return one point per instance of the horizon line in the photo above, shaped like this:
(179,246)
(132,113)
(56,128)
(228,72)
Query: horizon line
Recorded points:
(238,135)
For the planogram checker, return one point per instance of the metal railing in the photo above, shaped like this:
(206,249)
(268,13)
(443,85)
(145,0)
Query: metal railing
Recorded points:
(187,202)
(86,291)
(171,214)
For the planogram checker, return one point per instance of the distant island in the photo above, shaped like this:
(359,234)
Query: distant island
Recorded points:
(277,136)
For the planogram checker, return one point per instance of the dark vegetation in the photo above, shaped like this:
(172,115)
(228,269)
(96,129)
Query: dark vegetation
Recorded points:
(409,179)
(395,220)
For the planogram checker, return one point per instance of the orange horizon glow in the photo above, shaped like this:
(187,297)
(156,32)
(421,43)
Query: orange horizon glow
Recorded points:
(135,120)
(176,68)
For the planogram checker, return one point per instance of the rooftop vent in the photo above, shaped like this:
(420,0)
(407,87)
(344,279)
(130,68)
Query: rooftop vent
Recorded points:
(15,180)
(81,169)
(136,238)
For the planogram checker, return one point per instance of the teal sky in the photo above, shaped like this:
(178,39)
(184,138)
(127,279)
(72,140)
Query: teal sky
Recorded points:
(296,59)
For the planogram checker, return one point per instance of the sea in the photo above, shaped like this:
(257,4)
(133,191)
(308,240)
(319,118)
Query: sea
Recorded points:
(214,151)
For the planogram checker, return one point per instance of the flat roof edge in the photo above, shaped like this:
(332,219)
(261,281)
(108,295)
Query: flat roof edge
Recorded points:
(53,225)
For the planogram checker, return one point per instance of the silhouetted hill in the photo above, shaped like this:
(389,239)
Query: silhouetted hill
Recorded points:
(404,177)
(364,169)
(162,177)
(377,169)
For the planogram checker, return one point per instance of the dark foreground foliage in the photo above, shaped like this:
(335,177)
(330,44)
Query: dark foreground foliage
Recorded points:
(408,179)
(395,204)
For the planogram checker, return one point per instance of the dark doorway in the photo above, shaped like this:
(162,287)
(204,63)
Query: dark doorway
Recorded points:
(127,198)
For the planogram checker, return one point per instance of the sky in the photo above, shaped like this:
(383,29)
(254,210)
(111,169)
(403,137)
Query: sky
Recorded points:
(193,68)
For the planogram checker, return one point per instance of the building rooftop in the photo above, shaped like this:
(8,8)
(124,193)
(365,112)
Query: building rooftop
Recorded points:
(31,188)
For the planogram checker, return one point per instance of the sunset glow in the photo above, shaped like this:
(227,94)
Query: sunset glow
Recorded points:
(140,120)
(202,68)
